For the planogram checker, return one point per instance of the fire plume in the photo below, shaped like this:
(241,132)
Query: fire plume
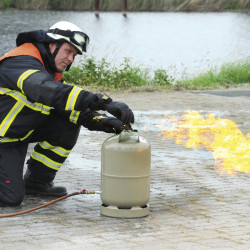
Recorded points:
(230,147)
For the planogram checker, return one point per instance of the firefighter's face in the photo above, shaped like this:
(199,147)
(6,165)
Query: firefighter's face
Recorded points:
(65,55)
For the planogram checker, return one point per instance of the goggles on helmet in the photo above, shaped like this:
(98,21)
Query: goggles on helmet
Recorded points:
(76,37)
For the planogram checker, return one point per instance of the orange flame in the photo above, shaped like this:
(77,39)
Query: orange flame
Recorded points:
(230,147)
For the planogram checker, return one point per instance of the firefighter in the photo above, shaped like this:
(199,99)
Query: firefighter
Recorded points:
(36,105)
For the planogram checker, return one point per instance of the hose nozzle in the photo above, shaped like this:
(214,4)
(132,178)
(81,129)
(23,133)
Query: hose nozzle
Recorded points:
(84,191)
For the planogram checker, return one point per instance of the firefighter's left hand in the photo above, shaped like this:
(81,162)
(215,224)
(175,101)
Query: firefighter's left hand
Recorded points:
(108,124)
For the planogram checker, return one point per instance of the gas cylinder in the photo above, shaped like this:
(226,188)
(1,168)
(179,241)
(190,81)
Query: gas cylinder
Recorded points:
(125,175)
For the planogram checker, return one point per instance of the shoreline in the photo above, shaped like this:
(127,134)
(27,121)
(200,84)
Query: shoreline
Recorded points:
(131,6)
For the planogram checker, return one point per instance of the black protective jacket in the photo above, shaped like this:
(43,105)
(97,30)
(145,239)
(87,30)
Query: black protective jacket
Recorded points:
(30,88)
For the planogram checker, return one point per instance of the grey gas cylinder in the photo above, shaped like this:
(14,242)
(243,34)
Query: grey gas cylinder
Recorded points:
(125,175)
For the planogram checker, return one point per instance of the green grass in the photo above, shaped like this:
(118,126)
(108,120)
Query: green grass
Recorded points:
(229,74)
(125,76)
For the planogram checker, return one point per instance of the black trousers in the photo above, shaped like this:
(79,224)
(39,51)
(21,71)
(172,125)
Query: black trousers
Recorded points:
(56,137)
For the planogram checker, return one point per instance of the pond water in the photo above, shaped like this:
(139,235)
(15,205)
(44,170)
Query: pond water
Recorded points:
(184,44)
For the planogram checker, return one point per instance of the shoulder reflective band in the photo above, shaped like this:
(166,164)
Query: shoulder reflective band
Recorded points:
(23,76)
(74,93)
(6,139)
(74,116)
(23,99)
(57,150)
(10,118)
(45,160)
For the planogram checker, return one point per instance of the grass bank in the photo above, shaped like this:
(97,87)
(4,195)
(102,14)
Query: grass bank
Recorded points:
(103,75)
(138,5)
(229,75)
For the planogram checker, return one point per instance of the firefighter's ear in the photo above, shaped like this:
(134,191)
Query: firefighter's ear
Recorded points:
(52,47)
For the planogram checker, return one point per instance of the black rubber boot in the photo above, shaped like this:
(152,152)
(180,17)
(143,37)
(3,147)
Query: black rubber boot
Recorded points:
(37,187)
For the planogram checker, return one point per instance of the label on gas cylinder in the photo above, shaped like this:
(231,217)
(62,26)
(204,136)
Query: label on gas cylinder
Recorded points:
(143,140)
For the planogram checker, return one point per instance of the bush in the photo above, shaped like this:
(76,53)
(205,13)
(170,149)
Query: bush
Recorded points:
(101,73)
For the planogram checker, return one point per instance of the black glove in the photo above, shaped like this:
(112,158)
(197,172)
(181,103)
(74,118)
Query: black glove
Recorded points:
(108,124)
(121,111)
(98,102)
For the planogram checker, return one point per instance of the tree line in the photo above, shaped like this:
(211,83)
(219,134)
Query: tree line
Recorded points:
(132,5)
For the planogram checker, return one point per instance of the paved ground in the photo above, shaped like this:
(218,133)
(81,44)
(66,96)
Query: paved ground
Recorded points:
(192,206)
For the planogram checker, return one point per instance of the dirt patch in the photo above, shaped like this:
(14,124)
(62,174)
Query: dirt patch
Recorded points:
(179,100)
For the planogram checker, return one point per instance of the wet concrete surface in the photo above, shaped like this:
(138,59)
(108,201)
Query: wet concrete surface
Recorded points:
(228,93)
(192,205)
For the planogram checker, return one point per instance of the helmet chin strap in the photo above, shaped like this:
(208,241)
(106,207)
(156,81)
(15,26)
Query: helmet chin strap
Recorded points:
(58,46)
(68,67)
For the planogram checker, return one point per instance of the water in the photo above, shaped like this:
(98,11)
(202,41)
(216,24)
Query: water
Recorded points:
(184,44)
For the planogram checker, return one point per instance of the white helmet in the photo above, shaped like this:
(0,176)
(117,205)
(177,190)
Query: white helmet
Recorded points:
(70,33)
